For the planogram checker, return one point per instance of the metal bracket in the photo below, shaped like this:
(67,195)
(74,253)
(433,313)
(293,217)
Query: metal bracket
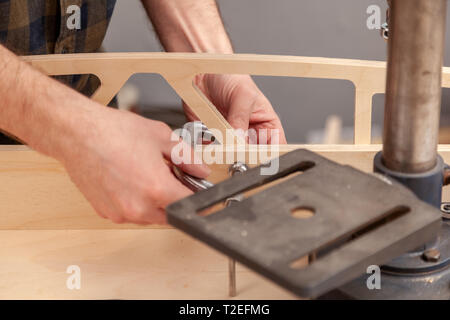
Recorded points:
(359,220)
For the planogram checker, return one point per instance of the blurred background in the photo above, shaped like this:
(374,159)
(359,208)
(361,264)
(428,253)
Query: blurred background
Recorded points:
(318,28)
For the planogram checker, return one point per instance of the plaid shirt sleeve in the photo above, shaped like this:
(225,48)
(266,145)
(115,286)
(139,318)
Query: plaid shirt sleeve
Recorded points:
(30,27)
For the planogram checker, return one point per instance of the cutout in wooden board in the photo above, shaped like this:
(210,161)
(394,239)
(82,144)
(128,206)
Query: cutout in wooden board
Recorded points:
(180,69)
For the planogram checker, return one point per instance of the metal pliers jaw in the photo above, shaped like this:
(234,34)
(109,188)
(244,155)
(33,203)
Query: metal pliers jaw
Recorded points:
(193,183)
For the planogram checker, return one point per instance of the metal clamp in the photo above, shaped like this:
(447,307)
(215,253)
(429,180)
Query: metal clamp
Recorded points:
(385,31)
(197,184)
(193,183)
(445,209)
(385,26)
(197,132)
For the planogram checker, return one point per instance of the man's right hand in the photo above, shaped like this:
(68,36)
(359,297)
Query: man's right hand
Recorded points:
(121,167)
(117,159)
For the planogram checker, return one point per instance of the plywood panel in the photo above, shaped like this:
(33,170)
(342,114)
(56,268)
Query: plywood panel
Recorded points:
(120,264)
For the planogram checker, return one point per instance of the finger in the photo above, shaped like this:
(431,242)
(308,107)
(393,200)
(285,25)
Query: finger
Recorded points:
(183,156)
(271,122)
(158,217)
(155,216)
(239,112)
(99,204)
(116,218)
(173,191)
(111,214)
(190,162)
(282,138)
(277,137)
(267,134)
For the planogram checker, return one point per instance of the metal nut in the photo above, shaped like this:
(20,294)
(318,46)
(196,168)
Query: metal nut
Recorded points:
(385,31)
(237,167)
(446,175)
(445,209)
(431,255)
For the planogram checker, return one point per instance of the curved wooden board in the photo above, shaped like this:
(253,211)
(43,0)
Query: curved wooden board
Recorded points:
(179,70)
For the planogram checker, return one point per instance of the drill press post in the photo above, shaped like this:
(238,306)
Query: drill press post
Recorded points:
(413,85)
(413,97)
(410,139)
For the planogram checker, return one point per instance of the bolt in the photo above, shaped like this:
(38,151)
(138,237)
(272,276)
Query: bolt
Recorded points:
(431,255)
(445,209)
(385,31)
(237,167)
(446,176)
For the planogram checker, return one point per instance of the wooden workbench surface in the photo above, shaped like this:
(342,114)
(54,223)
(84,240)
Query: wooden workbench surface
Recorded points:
(120,264)
(46,226)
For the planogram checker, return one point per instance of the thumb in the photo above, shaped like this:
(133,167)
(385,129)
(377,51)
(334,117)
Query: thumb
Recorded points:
(239,112)
(184,157)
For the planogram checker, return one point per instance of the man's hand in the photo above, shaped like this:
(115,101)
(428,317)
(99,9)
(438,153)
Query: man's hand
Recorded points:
(196,26)
(118,160)
(241,102)
(122,167)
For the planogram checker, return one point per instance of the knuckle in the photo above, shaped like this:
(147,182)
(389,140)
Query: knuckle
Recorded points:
(117,219)
(101,214)
(157,194)
(163,126)
(134,211)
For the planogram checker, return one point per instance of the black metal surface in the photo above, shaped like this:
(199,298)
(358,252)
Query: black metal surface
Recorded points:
(412,263)
(408,276)
(348,232)
(434,286)
(427,185)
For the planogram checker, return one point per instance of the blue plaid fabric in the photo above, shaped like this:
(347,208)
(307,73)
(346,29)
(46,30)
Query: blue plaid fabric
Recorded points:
(30,27)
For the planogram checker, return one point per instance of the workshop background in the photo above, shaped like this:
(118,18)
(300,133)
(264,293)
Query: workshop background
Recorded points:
(319,28)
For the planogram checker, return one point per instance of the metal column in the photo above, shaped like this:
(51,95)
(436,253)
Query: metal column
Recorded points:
(413,92)
(410,139)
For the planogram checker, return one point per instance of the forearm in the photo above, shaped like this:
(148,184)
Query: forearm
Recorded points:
(189,25)
(40,111)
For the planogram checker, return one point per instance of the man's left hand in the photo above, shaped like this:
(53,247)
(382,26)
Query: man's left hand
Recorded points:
(241,102)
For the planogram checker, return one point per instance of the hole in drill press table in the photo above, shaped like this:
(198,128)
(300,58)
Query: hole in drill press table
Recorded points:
(359,221)
(303,212)
(253,190)
(316,255)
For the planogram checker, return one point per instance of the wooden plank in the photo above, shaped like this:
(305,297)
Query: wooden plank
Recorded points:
(120,264)
(47,225)
(36,192)
(179,70)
